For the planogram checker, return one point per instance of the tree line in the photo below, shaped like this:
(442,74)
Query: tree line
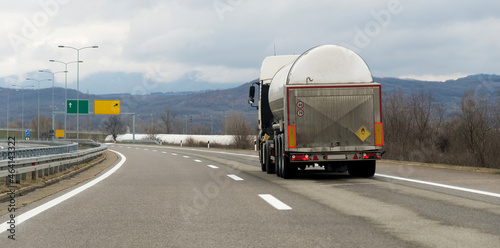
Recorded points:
(417,129)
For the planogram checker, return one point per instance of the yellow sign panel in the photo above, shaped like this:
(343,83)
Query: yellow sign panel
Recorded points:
(363,133)
(106,107)
(60,133)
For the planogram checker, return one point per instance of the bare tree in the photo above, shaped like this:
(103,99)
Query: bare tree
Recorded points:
(45,125)
(475,125)
(152,128)
(421,110)
(496,112)
(237,125)
(397,121)
(114,126)
(167,117)
(200,129)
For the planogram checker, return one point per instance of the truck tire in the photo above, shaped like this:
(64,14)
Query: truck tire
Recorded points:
(364,169)
(288,170)
(262,155)
(270,167)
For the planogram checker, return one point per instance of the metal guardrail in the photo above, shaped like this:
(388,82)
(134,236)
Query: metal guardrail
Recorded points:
(55,148)
(51,163)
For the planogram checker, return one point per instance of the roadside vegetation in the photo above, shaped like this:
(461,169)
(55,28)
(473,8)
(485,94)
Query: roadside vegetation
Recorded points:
(417,130)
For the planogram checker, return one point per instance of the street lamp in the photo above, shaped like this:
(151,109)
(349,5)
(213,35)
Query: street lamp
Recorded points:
(53,82)
(38,115)
(78,85)
(22,104)
(8,110)
(65,88)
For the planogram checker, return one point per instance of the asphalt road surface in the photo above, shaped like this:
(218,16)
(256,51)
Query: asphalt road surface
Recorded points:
(181,197)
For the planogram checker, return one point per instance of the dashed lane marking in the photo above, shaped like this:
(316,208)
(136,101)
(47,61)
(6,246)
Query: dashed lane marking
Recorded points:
(235,178)
(275,202)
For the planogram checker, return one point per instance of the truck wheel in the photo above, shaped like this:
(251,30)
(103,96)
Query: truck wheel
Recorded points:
(364,169)
(270,167)
(261,157)
(262,161)
(289,170)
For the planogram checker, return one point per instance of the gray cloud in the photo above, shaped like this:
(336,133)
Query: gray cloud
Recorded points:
(224,41)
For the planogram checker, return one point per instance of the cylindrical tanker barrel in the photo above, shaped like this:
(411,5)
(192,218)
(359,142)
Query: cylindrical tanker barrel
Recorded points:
(322,65)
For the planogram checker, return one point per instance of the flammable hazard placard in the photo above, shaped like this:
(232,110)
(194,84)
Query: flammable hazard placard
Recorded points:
(363,133)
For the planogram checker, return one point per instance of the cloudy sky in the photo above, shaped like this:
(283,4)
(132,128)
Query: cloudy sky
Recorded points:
(154,43)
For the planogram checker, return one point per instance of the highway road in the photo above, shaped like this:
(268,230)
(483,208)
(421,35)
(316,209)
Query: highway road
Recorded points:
(181,197)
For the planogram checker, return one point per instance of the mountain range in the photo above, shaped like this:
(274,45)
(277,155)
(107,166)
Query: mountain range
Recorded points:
(209,107)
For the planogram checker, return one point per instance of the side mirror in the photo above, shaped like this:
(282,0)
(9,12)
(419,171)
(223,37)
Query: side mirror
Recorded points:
(251,95)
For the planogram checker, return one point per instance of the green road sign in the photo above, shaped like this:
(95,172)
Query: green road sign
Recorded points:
(83,105)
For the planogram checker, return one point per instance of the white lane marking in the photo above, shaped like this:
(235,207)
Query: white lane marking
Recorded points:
(275,202)
(235,178)
(198,150)
(441,185)
(387,176)
(213,166)
(163,152)
(145,149)
(34,212)
(137,148)
(185,156)
(154,150)
(129,147)
(175,154)
(197,160)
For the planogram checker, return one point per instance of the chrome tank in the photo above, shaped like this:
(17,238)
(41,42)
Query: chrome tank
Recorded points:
(322,65)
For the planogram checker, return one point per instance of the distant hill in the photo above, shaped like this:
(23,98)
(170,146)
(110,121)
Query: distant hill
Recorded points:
(448,93)
(209,107)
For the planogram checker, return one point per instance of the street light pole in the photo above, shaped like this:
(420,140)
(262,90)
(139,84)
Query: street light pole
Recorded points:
(53,82)
(8,110)
(22,105)
(38,115)
(65,88)
(78,86)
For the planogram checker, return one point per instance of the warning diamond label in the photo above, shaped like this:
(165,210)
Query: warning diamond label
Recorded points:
(363,133)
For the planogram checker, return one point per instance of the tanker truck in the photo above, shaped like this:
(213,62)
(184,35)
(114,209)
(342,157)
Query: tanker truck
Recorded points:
(318,109)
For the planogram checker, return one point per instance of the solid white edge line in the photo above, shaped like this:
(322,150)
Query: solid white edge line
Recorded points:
(235,178)
(441,185)
(274,202)
(33,212)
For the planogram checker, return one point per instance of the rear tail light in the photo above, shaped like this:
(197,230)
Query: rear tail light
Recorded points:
(371,155)
(300,157)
